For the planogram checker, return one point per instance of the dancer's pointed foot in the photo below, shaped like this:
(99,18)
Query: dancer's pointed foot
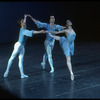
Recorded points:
(43,65)
(5,74)
(52,70)
(24,76)
(72,76)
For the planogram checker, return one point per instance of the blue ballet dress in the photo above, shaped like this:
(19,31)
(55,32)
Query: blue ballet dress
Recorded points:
(67,44)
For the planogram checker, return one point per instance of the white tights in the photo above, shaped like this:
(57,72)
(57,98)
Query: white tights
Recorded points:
(48,55)
(18,49)
(70,67)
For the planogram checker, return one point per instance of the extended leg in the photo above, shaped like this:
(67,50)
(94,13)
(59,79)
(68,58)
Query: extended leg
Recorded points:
(49,54)
(44,60)
(21,56)
(70,67)
(10,61)
(45,55)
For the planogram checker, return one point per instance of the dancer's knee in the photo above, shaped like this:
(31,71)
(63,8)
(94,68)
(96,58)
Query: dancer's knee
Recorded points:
(49,56)
(12,58)
(21,58)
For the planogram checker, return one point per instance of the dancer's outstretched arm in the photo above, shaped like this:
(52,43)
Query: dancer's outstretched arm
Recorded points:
(38,32)
(25,16)
(56,32)
(55,37)
(33,19)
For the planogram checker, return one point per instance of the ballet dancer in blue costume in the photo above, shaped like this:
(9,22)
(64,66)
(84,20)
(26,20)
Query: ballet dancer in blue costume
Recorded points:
(67,44)
(19,46)
(49,42)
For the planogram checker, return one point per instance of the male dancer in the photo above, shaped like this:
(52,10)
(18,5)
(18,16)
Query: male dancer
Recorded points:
(19,46)
(49,42)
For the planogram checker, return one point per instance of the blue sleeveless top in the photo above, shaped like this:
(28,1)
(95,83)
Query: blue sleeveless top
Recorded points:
(67,44)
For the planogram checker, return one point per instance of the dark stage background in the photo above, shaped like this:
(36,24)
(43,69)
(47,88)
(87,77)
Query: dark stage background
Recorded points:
(84,15)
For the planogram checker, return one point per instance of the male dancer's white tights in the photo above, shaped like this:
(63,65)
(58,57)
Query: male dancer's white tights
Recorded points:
(48,54)
(18,49)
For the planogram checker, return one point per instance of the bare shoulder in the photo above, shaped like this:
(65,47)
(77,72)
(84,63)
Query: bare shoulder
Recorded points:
(66,31)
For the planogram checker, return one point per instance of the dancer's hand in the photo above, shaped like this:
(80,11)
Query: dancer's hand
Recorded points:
(42,31)
(47,31)
(64,27)
(27,15)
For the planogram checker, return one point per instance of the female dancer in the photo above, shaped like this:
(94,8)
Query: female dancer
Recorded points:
(67,44)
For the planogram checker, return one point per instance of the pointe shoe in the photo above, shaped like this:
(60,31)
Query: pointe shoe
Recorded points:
(5,74)
(43,65)
(24,76)
(72,77)
(52,71)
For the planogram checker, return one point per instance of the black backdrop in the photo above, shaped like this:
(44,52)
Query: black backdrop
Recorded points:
(85,16)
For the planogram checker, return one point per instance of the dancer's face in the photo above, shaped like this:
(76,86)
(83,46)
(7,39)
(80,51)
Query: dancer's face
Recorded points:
(52,19)
(68,23)
(23,23)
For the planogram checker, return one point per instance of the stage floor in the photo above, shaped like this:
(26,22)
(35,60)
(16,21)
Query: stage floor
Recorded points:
(41,84)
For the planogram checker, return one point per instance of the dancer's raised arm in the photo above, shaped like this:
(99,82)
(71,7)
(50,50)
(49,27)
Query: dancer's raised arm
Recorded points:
(25,16)
(38,32)
(33,19)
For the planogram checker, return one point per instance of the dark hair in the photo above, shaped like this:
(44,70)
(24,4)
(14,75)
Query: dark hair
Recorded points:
(68,22)
(19,22)
(50,16)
